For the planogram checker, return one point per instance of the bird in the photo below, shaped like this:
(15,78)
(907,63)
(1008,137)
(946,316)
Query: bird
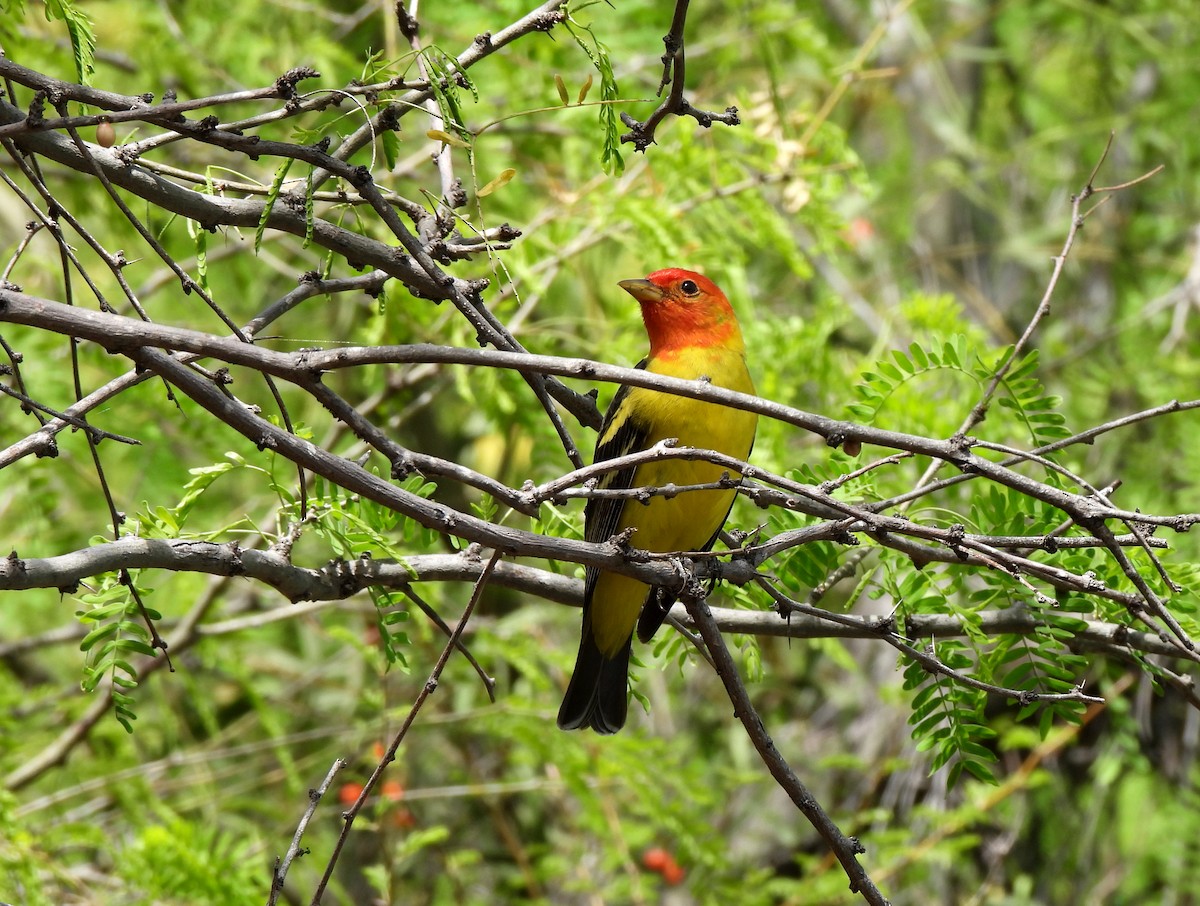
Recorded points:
(694,334)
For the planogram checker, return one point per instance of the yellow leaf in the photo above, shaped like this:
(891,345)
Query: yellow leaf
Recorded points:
(439,135)
(562,89)
(583,92)
(497,183)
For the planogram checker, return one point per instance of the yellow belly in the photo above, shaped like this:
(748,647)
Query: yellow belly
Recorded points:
(684,522)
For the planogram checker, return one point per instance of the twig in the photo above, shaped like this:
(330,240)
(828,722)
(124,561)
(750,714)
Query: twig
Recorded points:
(389,756)
(641,133)
(97,434)
(279,874)
(979,411)
(489,682)
(452,192)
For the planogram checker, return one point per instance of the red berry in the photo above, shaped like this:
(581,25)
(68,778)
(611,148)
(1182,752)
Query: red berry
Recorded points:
(656,859)
(349,792)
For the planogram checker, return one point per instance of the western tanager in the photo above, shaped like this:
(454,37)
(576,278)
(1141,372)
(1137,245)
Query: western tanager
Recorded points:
(694,334)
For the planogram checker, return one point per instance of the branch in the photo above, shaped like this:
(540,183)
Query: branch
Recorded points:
(279,874)
(117,334)
(543,18)
(43,443)
(641,134)
(339,580)
(846,849)
(417,270)
(356,479)
(979,411)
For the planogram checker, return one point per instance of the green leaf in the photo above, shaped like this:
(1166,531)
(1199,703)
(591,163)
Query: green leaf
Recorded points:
(390,143)
(918,355)
(610,156)
(81,34)
(272,195)
(101,632)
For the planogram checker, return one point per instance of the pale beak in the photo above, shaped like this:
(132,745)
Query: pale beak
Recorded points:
(643,290)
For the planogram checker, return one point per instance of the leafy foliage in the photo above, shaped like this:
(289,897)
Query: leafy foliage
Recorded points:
(610,156)
(448,83)
(947,718)
(180,861)
(81,34)
(115,641)
(883,232)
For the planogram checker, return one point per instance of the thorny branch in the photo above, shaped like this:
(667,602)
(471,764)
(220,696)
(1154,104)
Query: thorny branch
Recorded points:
(282,866)
(846,849)
(418,269)
(122,334)
(1078,216)
(641,133)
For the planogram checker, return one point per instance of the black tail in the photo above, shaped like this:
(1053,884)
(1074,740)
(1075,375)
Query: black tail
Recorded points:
(654,613)
(598,695)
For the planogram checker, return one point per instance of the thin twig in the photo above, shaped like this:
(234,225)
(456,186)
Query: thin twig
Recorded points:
(641,133)
(489,682)
(389,756)
(979,411)
(279,874)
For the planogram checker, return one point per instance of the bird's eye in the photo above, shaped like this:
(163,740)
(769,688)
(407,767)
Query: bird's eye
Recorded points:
(689,288)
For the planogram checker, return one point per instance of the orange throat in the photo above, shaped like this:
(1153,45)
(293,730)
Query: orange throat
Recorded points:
(672,328)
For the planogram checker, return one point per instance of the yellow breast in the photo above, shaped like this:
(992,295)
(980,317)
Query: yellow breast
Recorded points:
(686,522)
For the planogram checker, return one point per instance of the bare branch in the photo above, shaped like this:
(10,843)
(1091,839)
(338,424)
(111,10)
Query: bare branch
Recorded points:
(116,334)
(641,134)
(339,580)
(279,875)
(846,849)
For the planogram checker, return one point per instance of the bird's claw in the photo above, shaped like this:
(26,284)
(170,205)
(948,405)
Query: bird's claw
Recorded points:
(690,588)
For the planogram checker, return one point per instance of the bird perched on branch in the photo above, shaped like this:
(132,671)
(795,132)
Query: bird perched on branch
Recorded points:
(694,335)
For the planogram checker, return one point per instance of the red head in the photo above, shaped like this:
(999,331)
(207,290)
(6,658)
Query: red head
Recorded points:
(682,308)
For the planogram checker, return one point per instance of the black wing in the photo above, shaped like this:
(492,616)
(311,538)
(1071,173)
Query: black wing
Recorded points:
(620,434)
